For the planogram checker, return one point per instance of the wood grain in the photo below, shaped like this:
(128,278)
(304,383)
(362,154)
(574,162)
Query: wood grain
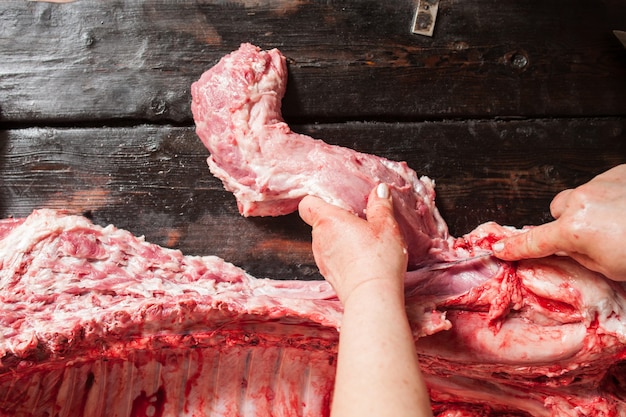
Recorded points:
(507,104)
(354,60)
(154,181)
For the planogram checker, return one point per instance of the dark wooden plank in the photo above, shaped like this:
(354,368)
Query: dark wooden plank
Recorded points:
(153,180)
(349,60)
(506,171)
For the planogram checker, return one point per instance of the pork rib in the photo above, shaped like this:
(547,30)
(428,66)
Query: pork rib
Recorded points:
(97,322)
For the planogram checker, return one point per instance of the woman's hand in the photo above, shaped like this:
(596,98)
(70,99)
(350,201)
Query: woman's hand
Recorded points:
(349,250)
(365,261)
(590,227)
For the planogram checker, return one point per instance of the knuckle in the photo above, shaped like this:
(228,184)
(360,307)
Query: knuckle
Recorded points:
(529,243)
(580,196)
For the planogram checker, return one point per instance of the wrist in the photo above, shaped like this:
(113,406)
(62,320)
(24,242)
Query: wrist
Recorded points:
(379,290)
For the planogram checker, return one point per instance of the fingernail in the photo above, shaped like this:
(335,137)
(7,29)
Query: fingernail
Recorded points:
(497,247)
(382,191)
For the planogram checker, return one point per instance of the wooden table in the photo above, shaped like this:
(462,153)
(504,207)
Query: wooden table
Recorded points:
(505,105)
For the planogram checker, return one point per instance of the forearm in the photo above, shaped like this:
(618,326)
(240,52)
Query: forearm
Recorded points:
(378,372)
(365,260)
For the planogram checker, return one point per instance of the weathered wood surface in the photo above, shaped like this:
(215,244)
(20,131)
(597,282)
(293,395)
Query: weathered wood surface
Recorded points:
(153,180)
(93,60)
(507,104)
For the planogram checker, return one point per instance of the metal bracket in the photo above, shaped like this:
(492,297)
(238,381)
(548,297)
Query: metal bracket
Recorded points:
(425,16)
(621,35)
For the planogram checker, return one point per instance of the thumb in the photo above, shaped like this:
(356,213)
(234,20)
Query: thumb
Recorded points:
(309,209)
(538,242)
(380,206)
(313,210)
(560,203)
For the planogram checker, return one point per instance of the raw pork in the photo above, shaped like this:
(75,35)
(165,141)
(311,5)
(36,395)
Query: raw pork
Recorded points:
(537,323)
(269,168)
(97,322)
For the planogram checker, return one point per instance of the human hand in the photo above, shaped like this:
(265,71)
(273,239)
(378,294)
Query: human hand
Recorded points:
(590,227)
(349,250)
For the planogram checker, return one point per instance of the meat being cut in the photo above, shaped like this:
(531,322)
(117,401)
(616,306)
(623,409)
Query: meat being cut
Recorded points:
(538,324)
(97,322)
(269,168)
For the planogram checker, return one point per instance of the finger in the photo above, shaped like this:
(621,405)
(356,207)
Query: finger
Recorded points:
(560,203)
(312,209)
(380,206)
(309,209)
(537,242)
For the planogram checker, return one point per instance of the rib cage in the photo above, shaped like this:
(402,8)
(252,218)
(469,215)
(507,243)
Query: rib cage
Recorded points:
(224,380)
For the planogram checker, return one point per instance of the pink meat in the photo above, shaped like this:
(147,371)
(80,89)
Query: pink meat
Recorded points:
(503,313)
(98,322)
(269,168)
